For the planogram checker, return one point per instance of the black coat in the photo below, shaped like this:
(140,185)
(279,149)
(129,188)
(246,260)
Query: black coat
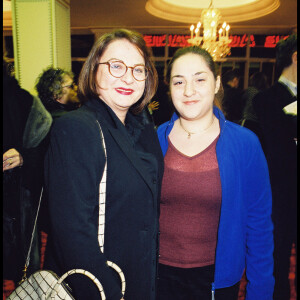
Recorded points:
(73,169)
(278,132)
(232,104)
(25,125)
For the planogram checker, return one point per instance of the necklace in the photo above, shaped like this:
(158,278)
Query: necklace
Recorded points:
(203,130)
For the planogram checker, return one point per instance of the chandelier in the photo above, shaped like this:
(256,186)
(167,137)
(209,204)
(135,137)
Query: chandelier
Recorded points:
(217,46)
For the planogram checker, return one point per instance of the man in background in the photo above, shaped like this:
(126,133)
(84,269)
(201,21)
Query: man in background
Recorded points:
(276,109)
(57,91)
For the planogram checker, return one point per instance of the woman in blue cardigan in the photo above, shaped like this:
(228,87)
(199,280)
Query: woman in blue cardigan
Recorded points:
(215,212)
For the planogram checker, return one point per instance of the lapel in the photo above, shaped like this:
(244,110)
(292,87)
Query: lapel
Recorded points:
(108,119)
(284,95)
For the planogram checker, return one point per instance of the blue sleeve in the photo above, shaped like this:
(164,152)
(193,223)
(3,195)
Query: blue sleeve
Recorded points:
(259,234)
(163,137)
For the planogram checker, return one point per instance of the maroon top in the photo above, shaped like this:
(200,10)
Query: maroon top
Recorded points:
(190,208)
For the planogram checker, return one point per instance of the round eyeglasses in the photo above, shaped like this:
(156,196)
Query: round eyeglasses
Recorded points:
(118,69)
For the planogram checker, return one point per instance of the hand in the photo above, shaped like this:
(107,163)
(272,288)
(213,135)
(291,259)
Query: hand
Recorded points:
(153,105)
(11,159)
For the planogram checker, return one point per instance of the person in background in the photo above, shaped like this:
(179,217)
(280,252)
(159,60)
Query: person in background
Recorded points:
(258,82)
(117,81)
(26,123)
(215,211)
(278,123)
(57,91)
(232,102)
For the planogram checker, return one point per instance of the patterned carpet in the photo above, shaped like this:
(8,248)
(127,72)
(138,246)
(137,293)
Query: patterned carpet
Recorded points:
(8,285)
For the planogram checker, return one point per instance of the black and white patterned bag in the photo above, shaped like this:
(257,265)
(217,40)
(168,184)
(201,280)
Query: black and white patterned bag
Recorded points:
(46,285)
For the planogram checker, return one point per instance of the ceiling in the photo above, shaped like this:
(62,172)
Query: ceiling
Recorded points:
(98,16)
(101,15)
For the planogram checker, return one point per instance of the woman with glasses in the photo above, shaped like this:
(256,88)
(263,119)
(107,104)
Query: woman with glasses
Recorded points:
(116,83)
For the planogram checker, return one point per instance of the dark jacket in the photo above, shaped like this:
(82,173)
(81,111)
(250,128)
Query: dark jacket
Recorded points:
(73,169)
(279,130)
(245,239)
(58,109)
(232,103)
(25,125)
(250,119)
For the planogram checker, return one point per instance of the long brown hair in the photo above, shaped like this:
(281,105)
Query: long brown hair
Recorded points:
(87,87)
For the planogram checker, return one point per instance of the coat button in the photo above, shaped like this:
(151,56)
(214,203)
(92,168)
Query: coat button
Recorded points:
(154,181)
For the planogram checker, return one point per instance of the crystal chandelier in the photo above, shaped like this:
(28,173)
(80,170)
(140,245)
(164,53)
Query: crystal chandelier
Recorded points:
(217,46)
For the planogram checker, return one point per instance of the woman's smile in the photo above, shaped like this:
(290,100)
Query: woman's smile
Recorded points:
(190,102)
(124,91)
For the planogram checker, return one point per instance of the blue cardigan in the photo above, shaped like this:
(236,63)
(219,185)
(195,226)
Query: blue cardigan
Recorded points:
(245,233)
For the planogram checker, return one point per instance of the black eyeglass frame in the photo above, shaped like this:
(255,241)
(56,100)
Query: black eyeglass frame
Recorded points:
(72,85)
(108,63)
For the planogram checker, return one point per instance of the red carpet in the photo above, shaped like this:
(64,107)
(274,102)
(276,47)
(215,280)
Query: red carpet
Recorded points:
(8,285)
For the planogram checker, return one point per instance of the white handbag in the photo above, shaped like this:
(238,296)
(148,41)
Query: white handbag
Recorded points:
(46,285)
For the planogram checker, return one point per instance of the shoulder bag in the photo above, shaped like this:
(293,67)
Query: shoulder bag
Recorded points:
(46,284)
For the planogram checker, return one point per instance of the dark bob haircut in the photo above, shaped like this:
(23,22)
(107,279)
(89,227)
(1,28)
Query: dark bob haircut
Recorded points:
(87,87)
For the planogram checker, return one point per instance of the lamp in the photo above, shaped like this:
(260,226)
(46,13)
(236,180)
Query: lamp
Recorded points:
(217,46)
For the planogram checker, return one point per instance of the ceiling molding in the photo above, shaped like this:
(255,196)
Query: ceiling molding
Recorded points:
(239,13)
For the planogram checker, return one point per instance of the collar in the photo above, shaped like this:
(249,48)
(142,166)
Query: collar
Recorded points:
(289,84)
(57,106)
(134,124)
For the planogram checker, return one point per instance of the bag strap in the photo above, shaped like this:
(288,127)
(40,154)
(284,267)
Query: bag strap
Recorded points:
(102,195)
(102,204)
(31,241)
(55,289)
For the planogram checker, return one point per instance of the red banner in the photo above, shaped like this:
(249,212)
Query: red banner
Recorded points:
(177,40)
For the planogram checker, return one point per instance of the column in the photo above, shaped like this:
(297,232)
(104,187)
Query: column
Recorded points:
(41,38)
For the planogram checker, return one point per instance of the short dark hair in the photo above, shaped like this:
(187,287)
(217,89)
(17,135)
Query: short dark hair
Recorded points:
(207,58)
(87,87)
(259,80)
(230,75)
(284,52)
(49,85)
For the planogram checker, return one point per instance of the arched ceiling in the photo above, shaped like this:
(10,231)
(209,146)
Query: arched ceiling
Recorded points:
(231,10)
(97,16)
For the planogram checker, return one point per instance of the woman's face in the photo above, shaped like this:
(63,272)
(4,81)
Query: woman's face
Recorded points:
(193,86)
(120,93)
